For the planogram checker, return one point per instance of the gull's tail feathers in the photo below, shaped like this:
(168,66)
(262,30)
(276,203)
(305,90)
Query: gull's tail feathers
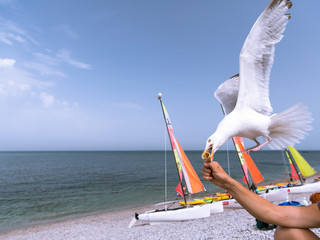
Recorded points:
(289,126)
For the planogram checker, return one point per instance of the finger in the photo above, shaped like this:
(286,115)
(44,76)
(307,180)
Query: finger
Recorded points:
(206,163)
(206,177)
(207,170)
(206,173)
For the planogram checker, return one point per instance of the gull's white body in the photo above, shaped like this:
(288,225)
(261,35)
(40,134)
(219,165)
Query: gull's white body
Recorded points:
(245,96)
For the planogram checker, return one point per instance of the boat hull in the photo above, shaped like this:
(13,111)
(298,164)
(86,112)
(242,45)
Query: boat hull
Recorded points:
(272,196)
(175,215)
(216,207)
(306,188)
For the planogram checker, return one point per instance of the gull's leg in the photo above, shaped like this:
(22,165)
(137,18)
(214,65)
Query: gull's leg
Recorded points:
(257,147)
(249,149)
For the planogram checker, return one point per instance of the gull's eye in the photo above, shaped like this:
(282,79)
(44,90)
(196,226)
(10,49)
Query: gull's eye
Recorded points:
(209,140)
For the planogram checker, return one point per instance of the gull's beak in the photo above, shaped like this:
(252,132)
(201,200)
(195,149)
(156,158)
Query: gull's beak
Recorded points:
(207,155)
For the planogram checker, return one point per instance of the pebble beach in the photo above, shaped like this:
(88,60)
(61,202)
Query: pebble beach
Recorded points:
(230,224)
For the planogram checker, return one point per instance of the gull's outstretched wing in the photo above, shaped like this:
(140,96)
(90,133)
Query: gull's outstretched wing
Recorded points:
(257,54)
(227,93)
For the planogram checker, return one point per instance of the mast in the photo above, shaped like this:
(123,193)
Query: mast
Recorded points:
(167,121)
(242,162)
(241,159)
(294,165)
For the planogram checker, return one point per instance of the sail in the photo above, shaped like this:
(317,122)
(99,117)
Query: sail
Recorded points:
(247,162)
(242,161)
(183,164)
(304,167)
(293,173)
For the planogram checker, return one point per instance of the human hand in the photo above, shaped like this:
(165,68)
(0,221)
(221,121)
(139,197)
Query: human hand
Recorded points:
(213,172)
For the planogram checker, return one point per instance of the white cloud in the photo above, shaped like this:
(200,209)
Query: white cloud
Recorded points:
(26,81)
(13,88)
(44,69)
(7,63)
(47,99)
(45,58)
(10,33)
(17,83)
(65,56)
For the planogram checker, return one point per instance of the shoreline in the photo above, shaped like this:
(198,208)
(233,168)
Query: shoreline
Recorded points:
(117,219)
(230,224)
(57,220)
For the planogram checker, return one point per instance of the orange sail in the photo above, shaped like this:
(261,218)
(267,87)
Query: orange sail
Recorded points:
(192,180)
(183,164)
(247,162)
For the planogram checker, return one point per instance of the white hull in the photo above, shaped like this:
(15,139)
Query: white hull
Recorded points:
(306,188)
(276,195)
(272,196)
(174,215)
(231,203)
(216,207)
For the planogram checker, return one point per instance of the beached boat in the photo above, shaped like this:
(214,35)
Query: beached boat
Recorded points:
(193,185)
(272,196)
(305,188)
(300,169)
(252,176)
(303,167)
(175,214)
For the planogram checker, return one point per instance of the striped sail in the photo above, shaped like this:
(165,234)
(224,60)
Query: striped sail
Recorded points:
(247,163)
(183,164)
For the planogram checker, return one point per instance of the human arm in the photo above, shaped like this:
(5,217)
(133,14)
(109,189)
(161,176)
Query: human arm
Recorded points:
(260,208)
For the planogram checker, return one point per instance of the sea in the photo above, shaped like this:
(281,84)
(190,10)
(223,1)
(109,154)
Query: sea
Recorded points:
(43,187)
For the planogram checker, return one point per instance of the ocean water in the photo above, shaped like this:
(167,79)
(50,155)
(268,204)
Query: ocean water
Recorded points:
(39,187)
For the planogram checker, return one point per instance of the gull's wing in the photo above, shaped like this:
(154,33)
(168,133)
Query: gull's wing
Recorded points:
(227,93)
(257,55)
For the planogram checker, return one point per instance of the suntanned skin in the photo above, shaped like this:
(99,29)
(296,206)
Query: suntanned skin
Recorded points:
(293,222)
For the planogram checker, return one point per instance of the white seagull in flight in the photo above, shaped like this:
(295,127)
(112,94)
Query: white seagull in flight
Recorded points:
(245,96)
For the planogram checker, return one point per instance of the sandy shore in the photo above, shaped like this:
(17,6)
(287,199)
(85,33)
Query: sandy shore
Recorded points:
(231,224)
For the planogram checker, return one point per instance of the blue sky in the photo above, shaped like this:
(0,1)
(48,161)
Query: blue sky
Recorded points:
(84,75)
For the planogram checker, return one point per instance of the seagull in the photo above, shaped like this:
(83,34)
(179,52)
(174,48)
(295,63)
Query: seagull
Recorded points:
(245,96)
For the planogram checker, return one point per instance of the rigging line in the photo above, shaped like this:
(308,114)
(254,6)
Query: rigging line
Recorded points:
(165,165)
(228,159)
(285,162)
(227,143)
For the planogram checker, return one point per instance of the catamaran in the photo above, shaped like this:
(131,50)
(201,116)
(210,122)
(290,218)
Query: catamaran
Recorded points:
(193,185)
(300,169)
(252,176)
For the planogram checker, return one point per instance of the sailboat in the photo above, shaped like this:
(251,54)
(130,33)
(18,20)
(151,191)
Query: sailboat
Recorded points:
(300,169)
(305,169)
(193,185)
(252,176)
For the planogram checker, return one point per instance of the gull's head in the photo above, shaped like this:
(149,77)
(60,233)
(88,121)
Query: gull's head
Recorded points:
(207,155)
(214,142)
